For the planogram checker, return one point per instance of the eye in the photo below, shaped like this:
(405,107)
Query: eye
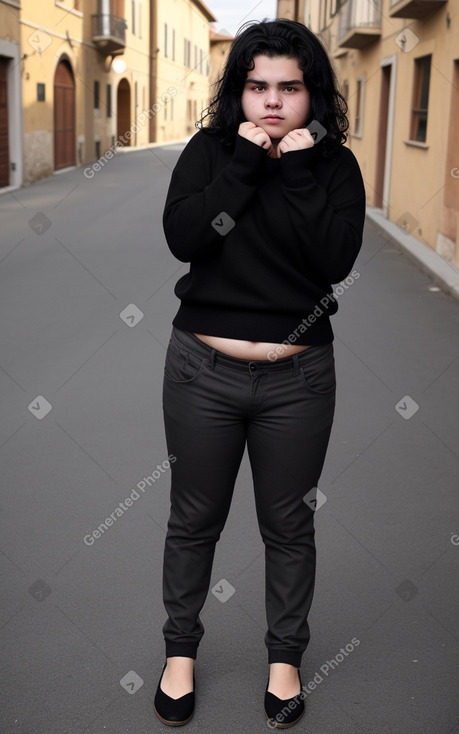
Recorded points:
(293,89)
(258,87)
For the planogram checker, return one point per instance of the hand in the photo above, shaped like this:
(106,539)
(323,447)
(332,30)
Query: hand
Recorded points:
(255,134)
(299,139)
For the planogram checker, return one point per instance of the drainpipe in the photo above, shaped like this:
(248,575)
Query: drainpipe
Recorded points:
(105,10)
(152,43)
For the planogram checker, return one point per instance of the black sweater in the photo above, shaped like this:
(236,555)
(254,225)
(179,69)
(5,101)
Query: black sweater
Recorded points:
(265,238)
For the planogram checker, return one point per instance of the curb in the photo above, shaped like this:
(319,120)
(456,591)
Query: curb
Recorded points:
(164,144)
(427,260)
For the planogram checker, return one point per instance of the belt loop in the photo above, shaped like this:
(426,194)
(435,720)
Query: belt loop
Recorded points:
(296,365)
(212,359)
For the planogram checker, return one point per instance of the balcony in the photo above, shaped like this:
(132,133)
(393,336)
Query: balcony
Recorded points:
(414,8)
(359,23)
(109,33)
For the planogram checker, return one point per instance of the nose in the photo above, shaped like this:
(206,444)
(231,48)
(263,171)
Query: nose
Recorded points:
(273,99)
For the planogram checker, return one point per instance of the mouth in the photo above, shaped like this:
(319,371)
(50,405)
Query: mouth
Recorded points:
(273,117)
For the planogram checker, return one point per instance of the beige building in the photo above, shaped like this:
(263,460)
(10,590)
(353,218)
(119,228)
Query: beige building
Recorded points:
(79,78)
(74,102)
(182,63)
(220,44)
(398,66)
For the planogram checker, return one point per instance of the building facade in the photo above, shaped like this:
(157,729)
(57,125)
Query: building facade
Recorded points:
(75,102)
(80,78)
(182,64)
(220,44)
(398,66)
(11,144)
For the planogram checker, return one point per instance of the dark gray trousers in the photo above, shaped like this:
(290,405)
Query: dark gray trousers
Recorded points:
(213,405)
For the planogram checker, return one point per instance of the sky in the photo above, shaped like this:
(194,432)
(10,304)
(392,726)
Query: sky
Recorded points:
(231,14)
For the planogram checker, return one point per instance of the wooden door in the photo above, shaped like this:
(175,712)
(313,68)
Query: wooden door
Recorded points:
(123,111)
(64,116)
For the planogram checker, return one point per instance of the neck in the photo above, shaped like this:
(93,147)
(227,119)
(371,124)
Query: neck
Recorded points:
(273,152)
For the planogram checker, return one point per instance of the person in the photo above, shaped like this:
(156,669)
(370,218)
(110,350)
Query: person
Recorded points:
(269,214)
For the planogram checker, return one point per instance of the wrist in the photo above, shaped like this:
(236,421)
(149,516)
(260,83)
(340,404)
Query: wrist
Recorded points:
(296,166)
(247,160)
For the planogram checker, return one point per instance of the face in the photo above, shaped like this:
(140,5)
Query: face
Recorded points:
(275,97)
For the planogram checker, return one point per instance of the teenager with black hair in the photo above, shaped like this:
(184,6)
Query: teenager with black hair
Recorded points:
(269,215)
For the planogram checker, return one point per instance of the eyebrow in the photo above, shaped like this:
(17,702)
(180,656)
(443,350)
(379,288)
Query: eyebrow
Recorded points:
(280,84)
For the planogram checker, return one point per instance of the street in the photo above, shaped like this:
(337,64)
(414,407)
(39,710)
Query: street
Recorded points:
(87,303)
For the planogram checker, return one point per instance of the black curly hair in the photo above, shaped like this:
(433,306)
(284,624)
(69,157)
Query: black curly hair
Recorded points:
(280,37)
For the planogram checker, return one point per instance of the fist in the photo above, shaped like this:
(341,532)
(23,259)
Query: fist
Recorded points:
(255,134)
(295,140)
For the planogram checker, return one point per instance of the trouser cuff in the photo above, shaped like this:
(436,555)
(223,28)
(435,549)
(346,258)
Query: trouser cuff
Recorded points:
(276,655)
(181,649)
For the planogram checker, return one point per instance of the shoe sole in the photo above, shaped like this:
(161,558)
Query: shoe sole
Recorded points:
(173,723)
(277,725)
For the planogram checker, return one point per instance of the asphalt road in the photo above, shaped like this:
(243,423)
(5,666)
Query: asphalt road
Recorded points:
(87,292)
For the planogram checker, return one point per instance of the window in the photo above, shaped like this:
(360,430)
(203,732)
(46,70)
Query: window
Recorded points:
(109,100)
(96,95)
(173,44)
(195,56)
(165,39)
(201,57)
(420,105)
(358,124)
(133,17)
(187,54)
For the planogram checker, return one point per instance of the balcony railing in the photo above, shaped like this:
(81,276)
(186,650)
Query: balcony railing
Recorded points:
(359,23)
(414,8)
(109,33)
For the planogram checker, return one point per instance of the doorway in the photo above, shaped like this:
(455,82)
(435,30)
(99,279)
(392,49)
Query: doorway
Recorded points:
(385,134)
(123,111)
(64,116)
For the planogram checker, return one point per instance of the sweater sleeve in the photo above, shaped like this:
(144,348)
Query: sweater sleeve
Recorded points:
(200,211)
(329,223)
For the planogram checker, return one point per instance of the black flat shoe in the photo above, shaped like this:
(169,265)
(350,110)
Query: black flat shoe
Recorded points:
(174,711)
(283,712)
